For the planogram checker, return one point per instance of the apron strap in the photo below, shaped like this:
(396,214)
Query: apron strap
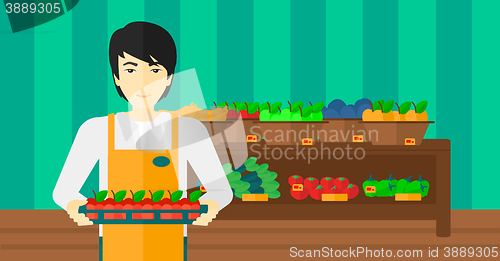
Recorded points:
(174,152)
(111,132)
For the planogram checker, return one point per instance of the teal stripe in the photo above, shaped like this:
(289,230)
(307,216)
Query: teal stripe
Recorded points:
(308,50)
(485,93)
(417,55)
(235,70)
(454,83)
(380,49)
(344,50)
(53,105)
(271,51)
(198,44)
(17,174)
(120,13)
(90,95)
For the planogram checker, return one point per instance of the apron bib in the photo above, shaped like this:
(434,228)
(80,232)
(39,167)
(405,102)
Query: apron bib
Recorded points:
(134,170)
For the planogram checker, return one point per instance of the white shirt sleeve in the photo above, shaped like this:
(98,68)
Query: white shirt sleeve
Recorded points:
(195,144)
(84,154)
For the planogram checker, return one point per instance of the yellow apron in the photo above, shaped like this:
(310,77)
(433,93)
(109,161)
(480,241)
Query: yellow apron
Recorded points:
(134,170)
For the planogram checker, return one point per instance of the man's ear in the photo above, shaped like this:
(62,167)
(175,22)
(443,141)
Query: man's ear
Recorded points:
(117,81)
(169,79)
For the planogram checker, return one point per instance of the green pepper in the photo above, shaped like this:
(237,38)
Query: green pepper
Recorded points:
(384,189)
(402,183)
(424,186)
(369,182)
(392,185)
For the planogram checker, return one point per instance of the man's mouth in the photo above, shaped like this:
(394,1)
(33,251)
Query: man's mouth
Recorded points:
(142,96)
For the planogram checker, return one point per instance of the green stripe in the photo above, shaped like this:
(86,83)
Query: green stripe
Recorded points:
(235,70)
(53,79)
(454,83)
(271,51)
(90,95)
(17,180)
(344,50)
(380,49)
(308,48)
(156,12)
(485,93)
(196,53)
(417,55)
(120,13)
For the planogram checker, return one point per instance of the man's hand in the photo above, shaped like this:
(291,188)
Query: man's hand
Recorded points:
(79,218)
(213,210)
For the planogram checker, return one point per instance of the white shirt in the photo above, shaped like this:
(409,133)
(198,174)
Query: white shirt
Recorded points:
(91,145)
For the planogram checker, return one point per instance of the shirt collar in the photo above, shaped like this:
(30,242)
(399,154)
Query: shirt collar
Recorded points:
(129,126)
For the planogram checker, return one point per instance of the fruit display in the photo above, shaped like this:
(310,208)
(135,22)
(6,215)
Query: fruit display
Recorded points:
(326,189)
(142,210)
(244,110)
(383,111)
(338,109)
(294,112)
(252,178)
(391,187)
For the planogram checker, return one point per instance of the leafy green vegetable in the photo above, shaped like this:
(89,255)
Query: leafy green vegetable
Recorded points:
(274,195)
(250,162)
(252,108)
(262,168)
(421,106)
(317,107)
(405,107)
(254,167)
(101,196)
(236,184)
(120,195)
(195,195)
(176,196)
(376,105)
(295,106)
(307,111)
(273,185)
(228,168)
(233,176)
(275,107)
(388,106)
(139,195)
(158,195)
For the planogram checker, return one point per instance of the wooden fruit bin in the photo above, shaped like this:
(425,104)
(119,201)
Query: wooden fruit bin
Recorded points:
(156,220)
(292,132)
(396,132)
(343,128)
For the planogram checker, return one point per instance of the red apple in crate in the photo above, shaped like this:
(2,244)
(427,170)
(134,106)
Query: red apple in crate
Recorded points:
(119,206)
(316,193)
(147,204)
(255,115)
(194,206)
(137,206)
(177,206)
(299,192)
(166,215)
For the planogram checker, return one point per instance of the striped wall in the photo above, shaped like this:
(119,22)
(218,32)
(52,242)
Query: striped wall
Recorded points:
(57,75)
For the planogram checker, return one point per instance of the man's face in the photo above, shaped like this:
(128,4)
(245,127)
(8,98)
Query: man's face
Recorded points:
(142,83)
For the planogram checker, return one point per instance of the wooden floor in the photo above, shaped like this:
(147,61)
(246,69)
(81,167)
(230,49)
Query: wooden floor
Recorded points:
(51,235)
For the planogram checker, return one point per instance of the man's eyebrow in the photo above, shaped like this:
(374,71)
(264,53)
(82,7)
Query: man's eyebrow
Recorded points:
(134,64)
(154,63)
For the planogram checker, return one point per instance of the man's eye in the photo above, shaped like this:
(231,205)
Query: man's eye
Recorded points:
(130,70)
(155,70)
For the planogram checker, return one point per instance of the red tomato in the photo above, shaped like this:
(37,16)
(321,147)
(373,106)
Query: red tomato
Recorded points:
(341,182)
(299,195)
(316,193)
(295,179)
(352,191)
(311,183)
(327,182)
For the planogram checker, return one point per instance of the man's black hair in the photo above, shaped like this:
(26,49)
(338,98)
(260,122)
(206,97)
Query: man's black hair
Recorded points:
(142,40)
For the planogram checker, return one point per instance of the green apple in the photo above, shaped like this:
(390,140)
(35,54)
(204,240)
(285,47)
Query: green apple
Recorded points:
(265,115)
(306,113)
(275,116)
(317,116)
(296,116)
(285,115)
(316,113)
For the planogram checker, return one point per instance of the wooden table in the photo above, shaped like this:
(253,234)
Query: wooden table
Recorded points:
(431,159)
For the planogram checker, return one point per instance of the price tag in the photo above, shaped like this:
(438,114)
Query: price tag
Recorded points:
(370,189)
(251,138)
(307,141)
(298,187)
(410,141)
(357,138)
(202,188)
